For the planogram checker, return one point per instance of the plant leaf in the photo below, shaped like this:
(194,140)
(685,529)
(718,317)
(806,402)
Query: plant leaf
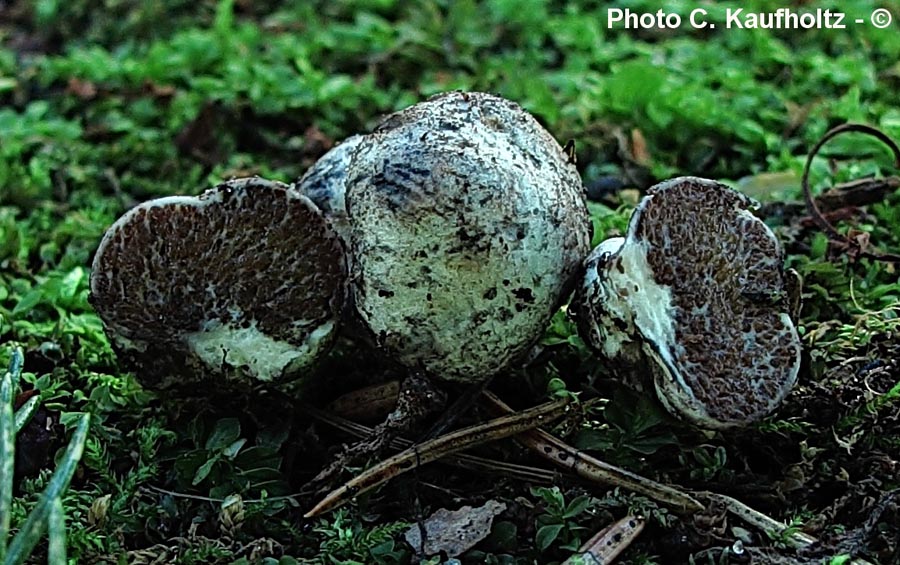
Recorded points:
(16,361)
(232,450)
(226,432)
(546,535)
(31,531)
(7,455)
(577,506)
(26,412)
(29,301)
(204,470)
(56,532)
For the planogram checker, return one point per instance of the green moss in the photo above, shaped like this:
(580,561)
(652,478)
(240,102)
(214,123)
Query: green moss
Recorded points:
(147,98)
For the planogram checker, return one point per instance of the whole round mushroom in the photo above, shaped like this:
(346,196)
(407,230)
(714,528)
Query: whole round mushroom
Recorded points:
(468,224)
(243,284)
(325,183)
(696,289)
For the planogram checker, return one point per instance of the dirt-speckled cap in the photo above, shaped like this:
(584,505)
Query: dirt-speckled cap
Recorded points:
(325,183)
(468,223)
(245,282)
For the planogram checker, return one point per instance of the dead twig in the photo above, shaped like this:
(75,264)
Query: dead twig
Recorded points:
(562,454)
(681,501)
(431,450)
(461,460)
(608,543)
(860,192)
(854,247)
(417,398)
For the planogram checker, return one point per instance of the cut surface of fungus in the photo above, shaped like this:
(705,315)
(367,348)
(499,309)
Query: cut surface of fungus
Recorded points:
(244,282)
(697,286)
(468,223)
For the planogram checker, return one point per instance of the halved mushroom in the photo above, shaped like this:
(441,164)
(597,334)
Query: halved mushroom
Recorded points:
(468,223)
(698,287)
(244,283)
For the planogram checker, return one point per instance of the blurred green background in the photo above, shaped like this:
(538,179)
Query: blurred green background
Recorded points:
(93,88)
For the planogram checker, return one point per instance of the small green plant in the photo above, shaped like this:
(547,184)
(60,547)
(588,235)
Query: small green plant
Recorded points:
(48,512)
(347,541)
(220,460)
(636,427)
(709,462)
(557,524)
(779,539)
(556,389)
(636,505)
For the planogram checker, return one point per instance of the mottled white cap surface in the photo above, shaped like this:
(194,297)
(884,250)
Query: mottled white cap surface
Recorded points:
(325,183)
(468,223)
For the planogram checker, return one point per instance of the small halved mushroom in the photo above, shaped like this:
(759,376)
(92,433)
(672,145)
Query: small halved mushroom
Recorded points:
(468,223)
(245,283)
(697,286)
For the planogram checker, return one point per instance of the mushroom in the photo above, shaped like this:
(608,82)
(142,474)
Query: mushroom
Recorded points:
(697,287)
(468,223)
(244,283)
(325,183)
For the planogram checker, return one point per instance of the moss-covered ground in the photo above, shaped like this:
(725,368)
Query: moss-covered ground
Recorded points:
(104,103)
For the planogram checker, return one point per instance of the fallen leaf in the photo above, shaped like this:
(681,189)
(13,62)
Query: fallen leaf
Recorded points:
(84,89)
(639,149)
(164,91)
(454,531)
(769,187)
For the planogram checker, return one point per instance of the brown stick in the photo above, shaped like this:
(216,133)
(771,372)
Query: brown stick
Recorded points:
(428,451)
(461,460)
(608,543)
(566,456)
(560,453)
(813,208)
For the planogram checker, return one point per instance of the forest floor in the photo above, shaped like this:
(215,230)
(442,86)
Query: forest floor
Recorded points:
(105,104)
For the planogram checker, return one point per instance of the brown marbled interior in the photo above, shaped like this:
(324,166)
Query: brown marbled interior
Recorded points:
(734,349)
(252,253)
